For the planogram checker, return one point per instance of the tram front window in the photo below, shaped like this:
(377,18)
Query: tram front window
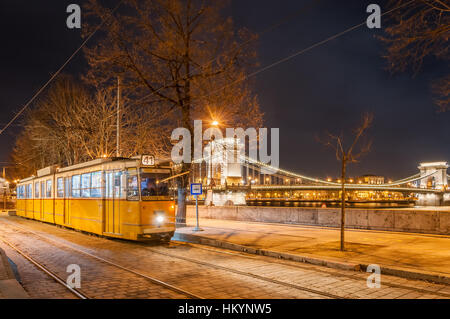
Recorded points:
(152,184)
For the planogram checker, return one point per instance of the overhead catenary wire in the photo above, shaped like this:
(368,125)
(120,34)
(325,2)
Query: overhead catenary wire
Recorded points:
(215,91)
(315,45)
(58,71)
(280,22)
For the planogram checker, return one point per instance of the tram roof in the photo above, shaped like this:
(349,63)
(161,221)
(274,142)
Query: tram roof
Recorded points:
(55,169)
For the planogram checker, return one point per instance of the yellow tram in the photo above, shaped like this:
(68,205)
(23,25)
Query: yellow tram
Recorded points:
(113,197)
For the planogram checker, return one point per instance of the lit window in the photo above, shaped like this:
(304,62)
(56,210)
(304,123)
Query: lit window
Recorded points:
(36,189)
(60,187)
(67,188)
(96,188)
(132,185)
(49,189)
(86,185)
(76,186)
(29,191)
(43,189)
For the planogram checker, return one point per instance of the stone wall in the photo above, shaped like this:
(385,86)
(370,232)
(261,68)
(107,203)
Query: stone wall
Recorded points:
(402,220)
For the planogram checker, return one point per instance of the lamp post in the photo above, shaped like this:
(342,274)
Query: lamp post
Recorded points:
(211,180)
(4,188)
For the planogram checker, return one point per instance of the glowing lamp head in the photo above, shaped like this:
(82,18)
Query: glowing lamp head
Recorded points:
(215,123)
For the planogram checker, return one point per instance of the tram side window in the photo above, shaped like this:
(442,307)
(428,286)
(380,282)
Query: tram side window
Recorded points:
(76,186)
(60,187)
(117,184)
(49,189)
(36,189)
(67,188)
(96,185)
(132,185)
(29,191)
(85,185)
(20,193)
(43,189)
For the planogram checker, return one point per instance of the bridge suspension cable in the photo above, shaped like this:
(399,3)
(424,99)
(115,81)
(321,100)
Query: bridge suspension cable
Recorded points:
(245,159)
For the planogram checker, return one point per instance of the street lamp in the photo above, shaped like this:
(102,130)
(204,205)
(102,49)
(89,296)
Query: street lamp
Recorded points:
(215,124)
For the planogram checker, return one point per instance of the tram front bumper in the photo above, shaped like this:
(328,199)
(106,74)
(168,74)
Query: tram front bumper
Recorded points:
(158,230)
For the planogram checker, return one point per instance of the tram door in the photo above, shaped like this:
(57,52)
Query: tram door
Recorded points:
(67,184)
(42,200)
(112,202)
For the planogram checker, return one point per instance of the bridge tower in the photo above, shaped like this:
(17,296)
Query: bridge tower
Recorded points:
(434,177)
(225,173)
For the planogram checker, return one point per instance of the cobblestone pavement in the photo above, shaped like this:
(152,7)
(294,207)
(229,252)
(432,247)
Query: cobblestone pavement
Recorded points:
(203,271)
(36,283)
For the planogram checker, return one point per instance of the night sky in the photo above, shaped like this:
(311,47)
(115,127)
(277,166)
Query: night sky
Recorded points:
(326,88)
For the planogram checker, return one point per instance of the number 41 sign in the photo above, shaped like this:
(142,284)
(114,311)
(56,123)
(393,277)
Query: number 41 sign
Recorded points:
(148,160)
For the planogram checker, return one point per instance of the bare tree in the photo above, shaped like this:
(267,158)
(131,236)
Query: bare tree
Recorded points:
(348,155)
(69,125)
(420,29)
(178,56)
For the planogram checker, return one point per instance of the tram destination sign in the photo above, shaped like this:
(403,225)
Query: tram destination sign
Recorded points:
(196,189)
(148,160)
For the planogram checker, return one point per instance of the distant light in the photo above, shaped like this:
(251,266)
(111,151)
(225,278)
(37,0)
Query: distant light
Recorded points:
(215,123)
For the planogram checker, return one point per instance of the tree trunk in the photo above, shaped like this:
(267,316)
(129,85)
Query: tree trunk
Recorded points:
(344,164)
(181,207)
(184,180)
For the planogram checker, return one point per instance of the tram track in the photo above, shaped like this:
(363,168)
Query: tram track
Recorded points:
(248,274)
(110,263)
(75,291)
(205,264)
(299,265)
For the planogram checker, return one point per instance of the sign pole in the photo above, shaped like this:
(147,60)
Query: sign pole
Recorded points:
(196,212)
(196,189)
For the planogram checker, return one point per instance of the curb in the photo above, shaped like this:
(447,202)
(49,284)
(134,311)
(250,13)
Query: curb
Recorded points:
(398,272)
(10,288)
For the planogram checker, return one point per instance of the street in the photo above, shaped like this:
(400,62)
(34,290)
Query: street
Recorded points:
(122,269)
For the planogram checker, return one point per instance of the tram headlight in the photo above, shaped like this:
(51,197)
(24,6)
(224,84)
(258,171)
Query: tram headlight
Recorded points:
(159,219)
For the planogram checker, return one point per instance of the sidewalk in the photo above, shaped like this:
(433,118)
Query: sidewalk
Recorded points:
(415,256)
(9,286)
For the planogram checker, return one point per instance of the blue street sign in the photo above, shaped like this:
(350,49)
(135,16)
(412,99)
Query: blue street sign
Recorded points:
(196,189)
